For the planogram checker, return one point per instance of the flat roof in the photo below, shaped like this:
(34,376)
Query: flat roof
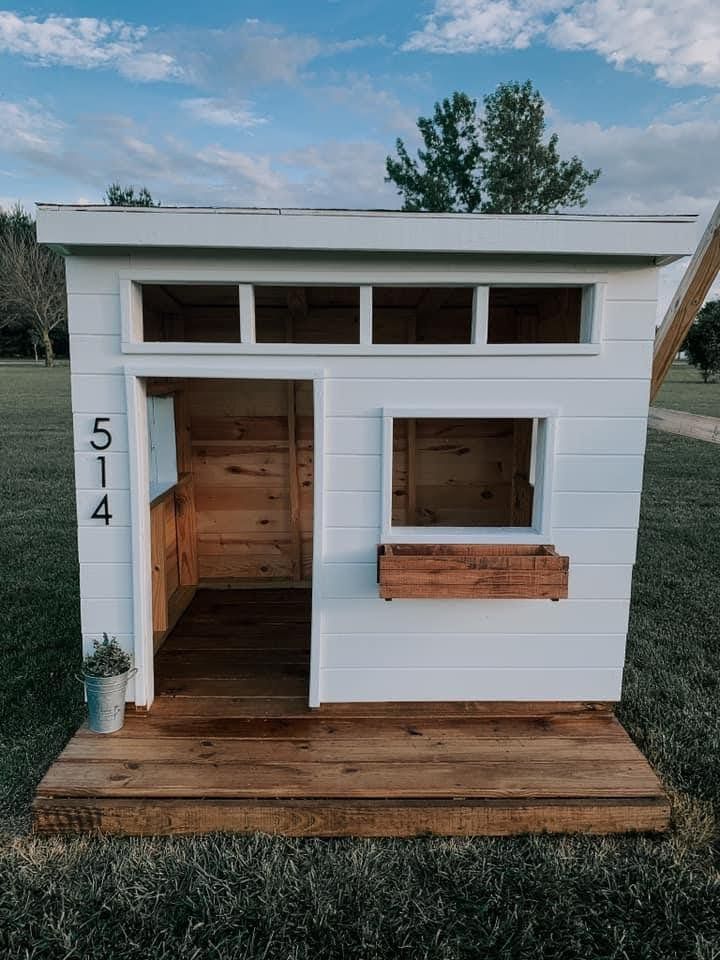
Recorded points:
(76,228)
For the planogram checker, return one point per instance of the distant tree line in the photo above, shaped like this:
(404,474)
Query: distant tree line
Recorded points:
(33,298)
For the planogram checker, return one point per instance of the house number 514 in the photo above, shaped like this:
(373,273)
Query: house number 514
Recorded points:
(102,442)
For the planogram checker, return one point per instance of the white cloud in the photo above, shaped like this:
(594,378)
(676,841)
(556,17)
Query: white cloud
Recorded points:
(221,113)
(85,43)
(680,41)
(358,92)
(27,127)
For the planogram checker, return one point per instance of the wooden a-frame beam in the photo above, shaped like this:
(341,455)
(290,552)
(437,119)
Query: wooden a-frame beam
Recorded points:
(689,297)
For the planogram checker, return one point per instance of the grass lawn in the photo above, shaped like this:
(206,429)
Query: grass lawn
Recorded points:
(684,390)
(247,897)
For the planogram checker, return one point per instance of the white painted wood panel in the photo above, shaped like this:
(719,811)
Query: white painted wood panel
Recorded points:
(582,545)
(83,424)
(609,581)
(497,685)
(353,435)
(95,274)
(349,472)
(118,502)
(596,474)
(93,313)
(604,510)
(110,614)
(105,580)
(599,546)
(362,509)
(97,392)
(481,616)
(632,282)
(630,320)
(470,651)
(96,353)
(576,398)
(598,435)
(104,545)
(87,471)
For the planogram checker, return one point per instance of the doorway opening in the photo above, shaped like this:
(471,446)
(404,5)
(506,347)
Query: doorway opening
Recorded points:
(231,518)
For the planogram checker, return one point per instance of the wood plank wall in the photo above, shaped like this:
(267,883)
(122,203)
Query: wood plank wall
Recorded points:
(461,472)
(252,521)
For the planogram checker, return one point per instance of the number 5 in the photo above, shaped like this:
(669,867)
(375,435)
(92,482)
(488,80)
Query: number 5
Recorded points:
(98,429)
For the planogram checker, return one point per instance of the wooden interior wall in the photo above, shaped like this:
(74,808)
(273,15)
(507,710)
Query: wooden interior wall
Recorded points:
(173,531)
(252,464)
(307,314)
(191,312)
(534,314)
(461,472)
(422,314)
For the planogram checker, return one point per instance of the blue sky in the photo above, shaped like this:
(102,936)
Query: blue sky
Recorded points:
(282,103)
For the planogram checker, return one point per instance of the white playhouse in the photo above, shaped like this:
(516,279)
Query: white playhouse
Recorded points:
(355,457)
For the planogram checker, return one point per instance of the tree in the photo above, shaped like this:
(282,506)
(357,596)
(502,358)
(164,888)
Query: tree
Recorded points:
(448,179)
(32,282)
(494,163)
(119,196)
(702,344)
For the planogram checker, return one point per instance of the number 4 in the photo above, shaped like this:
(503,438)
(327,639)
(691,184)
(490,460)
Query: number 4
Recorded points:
(102,511)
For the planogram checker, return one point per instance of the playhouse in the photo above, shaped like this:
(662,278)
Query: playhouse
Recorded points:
(360,493)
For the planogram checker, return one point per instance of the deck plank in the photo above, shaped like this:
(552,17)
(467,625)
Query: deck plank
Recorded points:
(231,744)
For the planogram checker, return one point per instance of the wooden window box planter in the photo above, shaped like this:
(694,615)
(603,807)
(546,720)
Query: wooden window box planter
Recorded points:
(471,571)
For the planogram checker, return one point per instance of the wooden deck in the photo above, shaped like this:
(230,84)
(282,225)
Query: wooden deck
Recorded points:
(231,745)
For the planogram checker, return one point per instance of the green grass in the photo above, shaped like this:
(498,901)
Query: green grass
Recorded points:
(684,390)
(617,898)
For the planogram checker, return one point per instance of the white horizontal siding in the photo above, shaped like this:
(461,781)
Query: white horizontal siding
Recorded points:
(101,544)
(572,398)
(601,435)
(83,426)
(362,509)
(118,503)
(103,392)
(595,474)
(481,616)
(630,320)
(110,614)
(87,471)
(432,684)
(343,651)
(596,510)
(353,435)
(105,580)
(93,313)
(95,274)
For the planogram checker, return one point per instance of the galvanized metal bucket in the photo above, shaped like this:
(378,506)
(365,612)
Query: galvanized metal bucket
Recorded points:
(106,701)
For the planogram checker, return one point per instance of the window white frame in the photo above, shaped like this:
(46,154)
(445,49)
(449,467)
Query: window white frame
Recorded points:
(246,278)
(162,452)
(542,465)
(136,373)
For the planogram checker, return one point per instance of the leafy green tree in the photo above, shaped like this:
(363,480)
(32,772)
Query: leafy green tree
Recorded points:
(119,196)
(495,163)
(446,178)
(702,344)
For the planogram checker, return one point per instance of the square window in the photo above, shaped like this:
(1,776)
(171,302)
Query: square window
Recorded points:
(307,314)
(441,315)
(537,315)
(463,472)
(191,312)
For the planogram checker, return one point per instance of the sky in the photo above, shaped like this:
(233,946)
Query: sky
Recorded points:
(282,103)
